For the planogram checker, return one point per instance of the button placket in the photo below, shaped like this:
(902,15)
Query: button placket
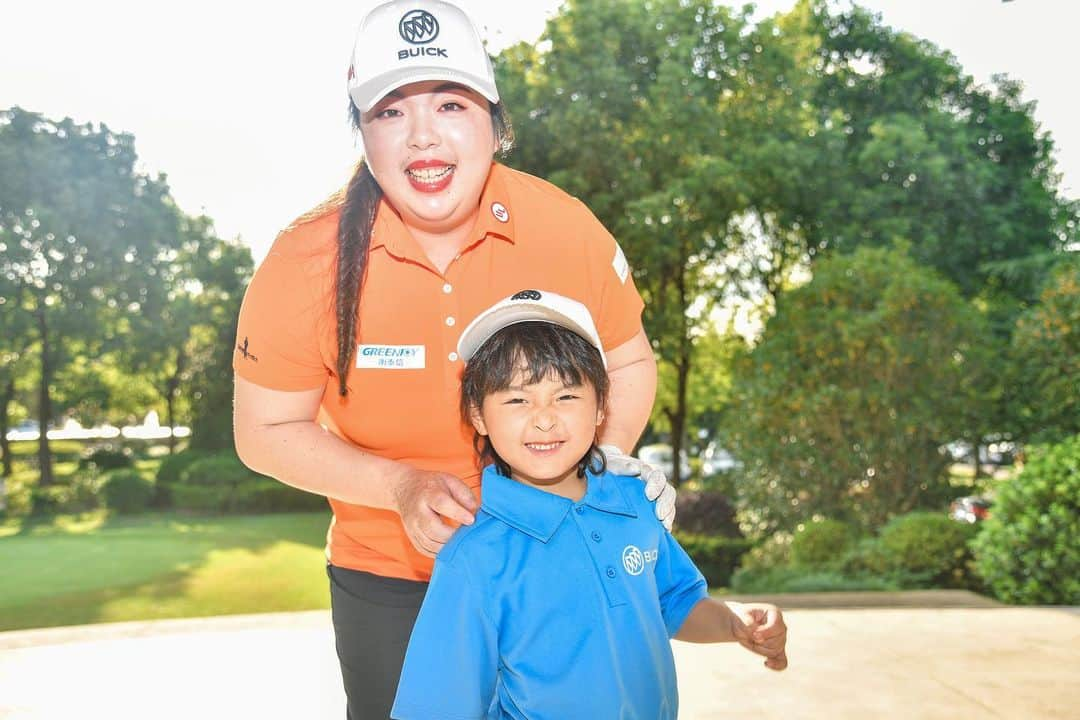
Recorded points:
(601,555)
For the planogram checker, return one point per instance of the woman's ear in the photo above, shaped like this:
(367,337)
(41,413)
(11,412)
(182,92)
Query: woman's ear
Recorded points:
(477,419)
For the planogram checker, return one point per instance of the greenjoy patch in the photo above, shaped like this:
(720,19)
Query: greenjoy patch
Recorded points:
(390,357)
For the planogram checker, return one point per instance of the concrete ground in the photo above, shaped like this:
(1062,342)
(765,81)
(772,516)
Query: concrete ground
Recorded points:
(910,655)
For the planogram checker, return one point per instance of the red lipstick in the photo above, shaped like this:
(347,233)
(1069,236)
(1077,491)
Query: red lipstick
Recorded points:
(430,176)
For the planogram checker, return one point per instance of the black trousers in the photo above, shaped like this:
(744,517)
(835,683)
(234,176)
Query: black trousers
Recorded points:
(373,618)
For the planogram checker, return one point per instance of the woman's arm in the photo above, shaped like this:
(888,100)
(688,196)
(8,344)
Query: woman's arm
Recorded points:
(632,371)
(276,435)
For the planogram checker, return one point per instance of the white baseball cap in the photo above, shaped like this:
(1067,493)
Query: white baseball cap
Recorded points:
(407,41)
(529,306)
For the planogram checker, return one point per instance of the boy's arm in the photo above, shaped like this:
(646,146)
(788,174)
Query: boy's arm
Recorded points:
(758,627)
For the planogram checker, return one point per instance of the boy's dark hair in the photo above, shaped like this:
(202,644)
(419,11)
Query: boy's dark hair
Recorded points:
(542,350)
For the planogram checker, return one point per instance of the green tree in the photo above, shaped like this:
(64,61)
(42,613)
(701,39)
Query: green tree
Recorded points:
(1045,359)
(841,408)
(913,148)
(222,270)
(623,107)
(80,228)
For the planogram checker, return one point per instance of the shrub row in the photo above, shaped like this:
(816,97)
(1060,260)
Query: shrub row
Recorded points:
(916,550)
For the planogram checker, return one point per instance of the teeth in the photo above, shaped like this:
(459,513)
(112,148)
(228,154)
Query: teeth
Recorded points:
(430,174)
(542,446)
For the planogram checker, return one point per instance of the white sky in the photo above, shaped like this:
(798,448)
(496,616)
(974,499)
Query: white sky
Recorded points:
(243,104)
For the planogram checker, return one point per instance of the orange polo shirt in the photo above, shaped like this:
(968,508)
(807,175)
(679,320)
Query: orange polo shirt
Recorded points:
(404,383)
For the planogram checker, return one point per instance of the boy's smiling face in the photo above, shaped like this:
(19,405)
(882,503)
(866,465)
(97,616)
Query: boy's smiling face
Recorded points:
(542,430)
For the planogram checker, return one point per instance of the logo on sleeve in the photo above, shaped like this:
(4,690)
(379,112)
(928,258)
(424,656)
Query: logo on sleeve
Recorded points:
(634,560)
(390,357)
(242,348)
(622,268)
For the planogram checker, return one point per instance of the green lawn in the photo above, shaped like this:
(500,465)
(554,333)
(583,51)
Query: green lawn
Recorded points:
(96,568)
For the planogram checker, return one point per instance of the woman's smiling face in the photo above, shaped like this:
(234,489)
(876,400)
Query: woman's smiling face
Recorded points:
(429,146)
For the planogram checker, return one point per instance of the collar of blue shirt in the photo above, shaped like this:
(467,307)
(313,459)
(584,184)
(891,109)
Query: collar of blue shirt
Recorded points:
(539,513)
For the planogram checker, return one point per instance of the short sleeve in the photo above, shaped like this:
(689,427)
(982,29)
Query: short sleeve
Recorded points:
(680,584)
(277,338)
(618,315)
(451,665)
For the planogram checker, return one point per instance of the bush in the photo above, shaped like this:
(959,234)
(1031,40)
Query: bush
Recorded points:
(1028,551)
(774,552)
(108,457)
(929,549)
(169,473)
(202,498)
(18,497)
(705,513)
(715,555)
(800,579)
(866,558)
(263,494)
(220,483)
(219,469)
(127,491)
(79,493)
(822,543)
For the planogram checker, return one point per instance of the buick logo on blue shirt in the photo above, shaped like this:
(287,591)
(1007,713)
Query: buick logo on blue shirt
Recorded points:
(633,560)
(418,27)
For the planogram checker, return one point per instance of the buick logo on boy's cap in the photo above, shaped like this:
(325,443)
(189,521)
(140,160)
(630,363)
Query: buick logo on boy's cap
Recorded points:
(418,27)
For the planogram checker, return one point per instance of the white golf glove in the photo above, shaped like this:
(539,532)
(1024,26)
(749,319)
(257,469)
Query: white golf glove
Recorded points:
(657,488)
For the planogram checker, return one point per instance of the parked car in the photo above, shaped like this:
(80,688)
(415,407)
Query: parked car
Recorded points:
(970,509)
(716,460)
(660,456)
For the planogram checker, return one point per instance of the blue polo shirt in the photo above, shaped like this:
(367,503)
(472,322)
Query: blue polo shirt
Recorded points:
(546,608)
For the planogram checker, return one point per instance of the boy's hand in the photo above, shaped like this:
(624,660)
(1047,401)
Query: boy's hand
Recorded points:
(760,628)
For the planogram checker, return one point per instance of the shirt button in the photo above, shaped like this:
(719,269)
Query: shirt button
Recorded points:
(450,322)
(595,536)
(611,572)
(453,357)
(580,509)
(447,288)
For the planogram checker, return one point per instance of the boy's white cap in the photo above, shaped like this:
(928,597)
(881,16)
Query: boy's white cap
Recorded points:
(529,306)
(407,41)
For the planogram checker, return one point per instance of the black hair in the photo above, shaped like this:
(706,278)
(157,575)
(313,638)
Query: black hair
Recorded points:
(358,207)
(542,350)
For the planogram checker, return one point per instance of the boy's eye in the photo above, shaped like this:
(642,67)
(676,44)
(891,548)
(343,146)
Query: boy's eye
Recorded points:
(569,397)
(452,105)
(513,401)
(387,112)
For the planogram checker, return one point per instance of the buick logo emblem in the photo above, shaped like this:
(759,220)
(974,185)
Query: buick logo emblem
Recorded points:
(418,27)
(633,560)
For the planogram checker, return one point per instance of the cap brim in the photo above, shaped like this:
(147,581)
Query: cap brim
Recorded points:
(484,326)
(366,96)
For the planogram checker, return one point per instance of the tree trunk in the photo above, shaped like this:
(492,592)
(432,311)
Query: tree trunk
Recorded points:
(682,367)
(5,447)
(44,400)
(171,388)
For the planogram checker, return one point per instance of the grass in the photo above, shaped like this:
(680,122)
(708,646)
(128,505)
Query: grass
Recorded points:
(95,568)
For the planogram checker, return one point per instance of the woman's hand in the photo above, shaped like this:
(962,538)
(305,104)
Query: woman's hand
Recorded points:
(426,501)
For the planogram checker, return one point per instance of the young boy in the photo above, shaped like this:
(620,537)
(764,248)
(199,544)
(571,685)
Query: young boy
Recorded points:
(560,599)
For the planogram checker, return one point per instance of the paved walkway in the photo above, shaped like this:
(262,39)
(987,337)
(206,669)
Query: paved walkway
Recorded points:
(927,655)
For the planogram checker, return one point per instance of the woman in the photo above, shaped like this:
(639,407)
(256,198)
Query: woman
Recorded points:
(346,372)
